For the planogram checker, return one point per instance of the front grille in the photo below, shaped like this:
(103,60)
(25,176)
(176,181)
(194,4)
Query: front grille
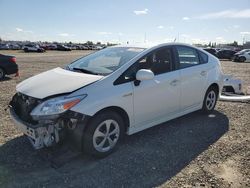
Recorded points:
(23,105)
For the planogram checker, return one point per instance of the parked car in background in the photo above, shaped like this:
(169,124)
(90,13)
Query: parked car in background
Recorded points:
(63,48)
(242,56)
(52,47)
(7,65)
(211,51)
(232,85)
(14,47)
(32,48)
(225,54)
(4,47)
(97,48)
(120,90)
(81,47)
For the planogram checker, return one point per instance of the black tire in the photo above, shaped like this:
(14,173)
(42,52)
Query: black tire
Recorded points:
(94,125)
(2,74)
(242,59)
(25,50)
(209,105)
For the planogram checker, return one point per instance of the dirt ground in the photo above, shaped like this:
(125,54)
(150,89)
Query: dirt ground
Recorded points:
(192,151)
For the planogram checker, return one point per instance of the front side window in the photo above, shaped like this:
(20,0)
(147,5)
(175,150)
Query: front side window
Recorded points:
(105,61)
(187,56)
(159,62)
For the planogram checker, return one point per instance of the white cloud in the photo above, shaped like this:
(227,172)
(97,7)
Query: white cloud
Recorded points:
(245,32)
(160,27)
(19,29)
(22,30)
(64,34)
(141,12)
(171,27)
(185,18)
(104,33)
(233,13)
(236,26)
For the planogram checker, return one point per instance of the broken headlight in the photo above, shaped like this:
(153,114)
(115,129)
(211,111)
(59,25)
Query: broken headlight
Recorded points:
(52,108)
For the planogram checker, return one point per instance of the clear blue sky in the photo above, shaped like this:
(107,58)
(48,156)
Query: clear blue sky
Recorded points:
(190,21)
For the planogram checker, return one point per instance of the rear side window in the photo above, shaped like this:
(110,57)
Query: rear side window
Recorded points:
(203,57)
(188,57)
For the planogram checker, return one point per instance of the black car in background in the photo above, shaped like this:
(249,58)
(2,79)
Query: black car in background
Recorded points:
(63,48)
(211,51)
(225,54)
(7,65)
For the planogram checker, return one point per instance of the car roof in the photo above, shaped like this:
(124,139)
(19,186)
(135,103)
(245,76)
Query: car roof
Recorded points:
(148,46)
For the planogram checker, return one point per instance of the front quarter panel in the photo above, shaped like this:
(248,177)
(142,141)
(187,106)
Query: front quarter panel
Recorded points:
(103,94)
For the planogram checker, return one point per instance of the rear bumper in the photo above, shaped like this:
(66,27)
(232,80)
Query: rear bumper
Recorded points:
(12,69)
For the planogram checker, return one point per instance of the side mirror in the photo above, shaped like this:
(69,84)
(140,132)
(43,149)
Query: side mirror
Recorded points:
(144,74)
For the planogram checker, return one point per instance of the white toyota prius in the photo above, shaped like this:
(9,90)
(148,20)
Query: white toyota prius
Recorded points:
(120,90)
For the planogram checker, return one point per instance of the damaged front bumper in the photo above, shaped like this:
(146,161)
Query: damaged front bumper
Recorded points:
(40,135)
(46,133)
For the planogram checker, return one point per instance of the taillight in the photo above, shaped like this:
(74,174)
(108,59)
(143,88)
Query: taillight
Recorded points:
(13,60)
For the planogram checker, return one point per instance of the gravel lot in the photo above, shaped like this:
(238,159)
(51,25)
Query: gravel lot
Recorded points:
(192,151)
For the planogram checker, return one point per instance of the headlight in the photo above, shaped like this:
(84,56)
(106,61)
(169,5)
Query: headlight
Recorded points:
(52,108)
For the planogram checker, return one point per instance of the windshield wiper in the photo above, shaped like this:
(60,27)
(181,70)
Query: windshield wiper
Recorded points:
(85,71)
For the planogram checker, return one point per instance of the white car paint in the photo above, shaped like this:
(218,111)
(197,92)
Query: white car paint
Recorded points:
(53,82)
(166,96)
(146,113)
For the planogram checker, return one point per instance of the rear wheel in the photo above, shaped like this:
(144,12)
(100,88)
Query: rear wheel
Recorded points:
(210,100)
(2,74)
(242,59)
(103,134)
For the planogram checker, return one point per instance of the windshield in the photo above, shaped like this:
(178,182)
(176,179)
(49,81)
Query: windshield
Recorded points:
(105,61)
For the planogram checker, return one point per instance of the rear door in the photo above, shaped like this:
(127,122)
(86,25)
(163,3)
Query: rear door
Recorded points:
(193,76)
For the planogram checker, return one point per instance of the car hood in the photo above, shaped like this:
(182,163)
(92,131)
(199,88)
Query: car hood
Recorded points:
(55,81)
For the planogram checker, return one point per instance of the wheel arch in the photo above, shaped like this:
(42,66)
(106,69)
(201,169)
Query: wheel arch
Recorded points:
(118,110)
(216,86)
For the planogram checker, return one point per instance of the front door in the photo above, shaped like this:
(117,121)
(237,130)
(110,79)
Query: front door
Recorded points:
(157,98)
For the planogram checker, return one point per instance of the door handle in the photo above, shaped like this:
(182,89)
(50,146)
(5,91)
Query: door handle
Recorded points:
(174,82)
(203,73)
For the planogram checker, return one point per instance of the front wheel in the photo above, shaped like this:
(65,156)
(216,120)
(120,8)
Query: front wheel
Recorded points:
(103,134)
(210,100)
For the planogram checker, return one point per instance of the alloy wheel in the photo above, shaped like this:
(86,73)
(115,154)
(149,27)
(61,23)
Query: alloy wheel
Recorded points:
(211,100)
(106,135)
